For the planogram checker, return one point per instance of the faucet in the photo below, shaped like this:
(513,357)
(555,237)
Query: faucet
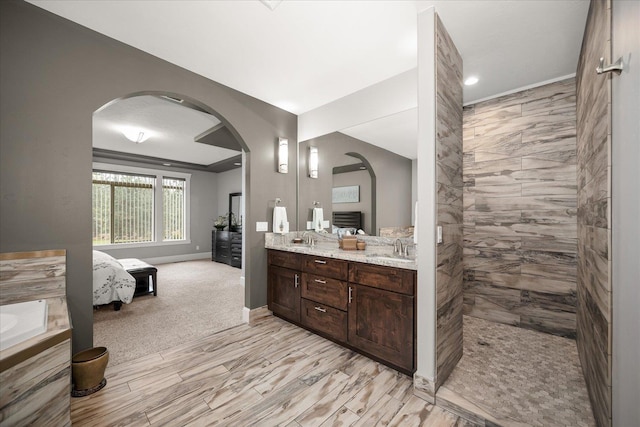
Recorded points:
(309,239)
(397,247)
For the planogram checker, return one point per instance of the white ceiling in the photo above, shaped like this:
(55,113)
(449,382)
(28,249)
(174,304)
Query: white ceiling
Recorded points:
(171,129)
(305,54)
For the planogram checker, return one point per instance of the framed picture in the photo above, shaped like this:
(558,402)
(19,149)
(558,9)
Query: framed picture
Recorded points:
(349,194)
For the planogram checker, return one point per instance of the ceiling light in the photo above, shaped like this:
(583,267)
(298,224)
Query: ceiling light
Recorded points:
(471,81)
(136,135)
(271,4)
(166,164)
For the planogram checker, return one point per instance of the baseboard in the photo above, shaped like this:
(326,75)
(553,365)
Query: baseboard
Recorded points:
(253,316)
(424,388)
(177,258)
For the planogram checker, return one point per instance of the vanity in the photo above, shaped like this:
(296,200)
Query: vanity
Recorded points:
(363,300)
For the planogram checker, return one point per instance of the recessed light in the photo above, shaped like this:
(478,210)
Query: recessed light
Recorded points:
(471,81)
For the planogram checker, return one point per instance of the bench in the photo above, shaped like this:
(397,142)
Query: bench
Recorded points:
(145,275)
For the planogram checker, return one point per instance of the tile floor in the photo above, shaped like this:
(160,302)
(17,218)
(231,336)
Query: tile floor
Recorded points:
(521,376)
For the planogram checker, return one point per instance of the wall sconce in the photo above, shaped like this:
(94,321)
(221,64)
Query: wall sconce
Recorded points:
(313,162)
(283,155)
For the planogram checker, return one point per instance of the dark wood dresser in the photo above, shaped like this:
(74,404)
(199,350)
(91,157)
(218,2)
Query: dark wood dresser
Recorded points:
(226,247)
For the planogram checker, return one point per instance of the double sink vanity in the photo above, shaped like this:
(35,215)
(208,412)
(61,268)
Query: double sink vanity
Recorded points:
(363,300)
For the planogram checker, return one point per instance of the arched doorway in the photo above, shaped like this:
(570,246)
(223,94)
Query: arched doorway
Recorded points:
(187,144)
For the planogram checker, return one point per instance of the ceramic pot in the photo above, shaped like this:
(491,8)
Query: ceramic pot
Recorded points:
(87,370)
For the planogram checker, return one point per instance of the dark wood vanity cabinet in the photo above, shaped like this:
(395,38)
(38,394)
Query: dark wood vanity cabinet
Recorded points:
(283,289)
(366,307)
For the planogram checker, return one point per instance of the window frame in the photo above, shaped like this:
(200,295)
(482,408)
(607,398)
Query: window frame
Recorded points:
(158,211)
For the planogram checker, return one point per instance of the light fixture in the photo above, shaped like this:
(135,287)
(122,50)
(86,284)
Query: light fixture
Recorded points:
(471,81)
(313,162)
(271,4)
(166,164)
(283,155)
(136,135)
(237,164)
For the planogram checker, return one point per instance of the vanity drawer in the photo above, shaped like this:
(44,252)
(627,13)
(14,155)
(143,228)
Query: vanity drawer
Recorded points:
(323,318)
(284,259)
(325,290)
(387,278)
(326,267)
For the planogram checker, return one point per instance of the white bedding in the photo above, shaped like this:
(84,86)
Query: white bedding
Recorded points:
(111,282)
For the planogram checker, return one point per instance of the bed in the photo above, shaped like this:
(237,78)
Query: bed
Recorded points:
(344,221)
(111,282)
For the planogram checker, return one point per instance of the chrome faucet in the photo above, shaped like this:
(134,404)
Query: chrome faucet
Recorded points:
(309,239)
(397,247)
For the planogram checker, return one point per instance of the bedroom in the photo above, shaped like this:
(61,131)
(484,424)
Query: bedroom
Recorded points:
(184,167)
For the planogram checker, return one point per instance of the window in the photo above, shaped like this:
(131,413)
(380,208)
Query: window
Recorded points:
(173,205)
(139,207)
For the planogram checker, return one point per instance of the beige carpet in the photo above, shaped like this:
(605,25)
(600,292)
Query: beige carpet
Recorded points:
(195,299)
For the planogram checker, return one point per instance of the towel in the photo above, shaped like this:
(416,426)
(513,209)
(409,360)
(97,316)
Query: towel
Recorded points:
(415,224)
(317,219)
(280,223)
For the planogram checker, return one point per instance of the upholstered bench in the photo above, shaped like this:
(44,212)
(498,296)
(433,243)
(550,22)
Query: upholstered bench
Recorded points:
(145,275)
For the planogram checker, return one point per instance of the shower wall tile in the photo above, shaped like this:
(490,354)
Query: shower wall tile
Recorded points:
(520,207)
(449,209)
(593,211)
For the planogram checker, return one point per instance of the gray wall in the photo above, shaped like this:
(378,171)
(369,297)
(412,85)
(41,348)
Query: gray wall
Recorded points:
(54,74)
(204,205)
(625,249)
(363,180)
(393,178)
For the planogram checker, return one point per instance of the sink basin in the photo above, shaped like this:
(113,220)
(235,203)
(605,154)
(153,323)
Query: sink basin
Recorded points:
(391,258)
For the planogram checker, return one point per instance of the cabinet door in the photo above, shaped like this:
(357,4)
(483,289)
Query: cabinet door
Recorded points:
(284,292)
(381,324)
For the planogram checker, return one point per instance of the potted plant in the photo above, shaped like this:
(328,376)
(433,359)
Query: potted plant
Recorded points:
(220,223)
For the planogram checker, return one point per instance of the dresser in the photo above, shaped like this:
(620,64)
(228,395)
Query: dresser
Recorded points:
(226,247)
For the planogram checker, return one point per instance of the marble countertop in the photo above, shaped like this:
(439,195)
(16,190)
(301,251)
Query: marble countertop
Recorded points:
(379,250)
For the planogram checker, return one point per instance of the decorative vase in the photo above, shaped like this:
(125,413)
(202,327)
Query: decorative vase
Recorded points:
(87,370)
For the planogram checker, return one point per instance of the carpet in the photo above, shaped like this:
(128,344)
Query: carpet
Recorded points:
(195,299)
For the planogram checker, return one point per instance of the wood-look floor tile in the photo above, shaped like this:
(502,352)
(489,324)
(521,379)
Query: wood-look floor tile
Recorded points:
(226,379)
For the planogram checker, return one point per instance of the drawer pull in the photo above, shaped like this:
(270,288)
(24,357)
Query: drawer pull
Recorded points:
(297,280)
(324,310)
(350,294)
(319,261)
(324,282)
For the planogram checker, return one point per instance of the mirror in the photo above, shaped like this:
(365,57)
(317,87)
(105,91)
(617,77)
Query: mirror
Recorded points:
(235,212)
(384,185)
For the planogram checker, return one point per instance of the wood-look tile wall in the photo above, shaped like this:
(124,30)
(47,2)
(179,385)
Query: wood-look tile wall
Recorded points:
(594,219)
(520,209)
(25,276)
(449,204)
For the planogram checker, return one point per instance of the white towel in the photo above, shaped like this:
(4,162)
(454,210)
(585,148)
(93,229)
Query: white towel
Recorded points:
(318,218)
(280,223)
(415,224)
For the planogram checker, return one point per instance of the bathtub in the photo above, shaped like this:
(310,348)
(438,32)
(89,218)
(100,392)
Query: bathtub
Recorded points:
(21,321)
